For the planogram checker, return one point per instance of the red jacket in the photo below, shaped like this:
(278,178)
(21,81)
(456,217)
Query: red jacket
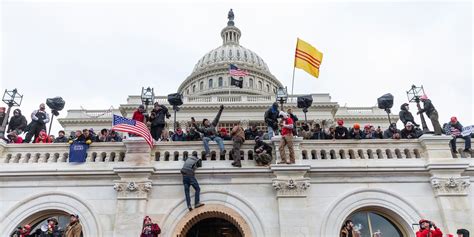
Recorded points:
(285,131)
(138,116)
(433,233)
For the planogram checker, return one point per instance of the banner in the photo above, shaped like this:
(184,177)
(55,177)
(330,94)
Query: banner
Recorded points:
(466,131)
(78,152)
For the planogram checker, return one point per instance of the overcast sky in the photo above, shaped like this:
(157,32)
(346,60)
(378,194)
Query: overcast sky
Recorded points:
(95,53)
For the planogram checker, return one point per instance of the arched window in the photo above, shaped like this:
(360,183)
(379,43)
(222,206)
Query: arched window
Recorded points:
(221,82)
(260,85)
(251,83)
(187,91)
(210,83)
(268,88)
(194,88)
(201,85)
(370,223)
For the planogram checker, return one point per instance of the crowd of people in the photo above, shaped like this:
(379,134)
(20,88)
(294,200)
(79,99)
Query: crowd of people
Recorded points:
(277,122)
(51,229)
(427,228)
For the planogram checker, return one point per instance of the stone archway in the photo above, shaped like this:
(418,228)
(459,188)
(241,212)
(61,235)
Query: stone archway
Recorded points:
(212,211)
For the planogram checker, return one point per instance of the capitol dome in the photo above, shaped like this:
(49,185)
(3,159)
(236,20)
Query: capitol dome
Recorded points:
(211,73)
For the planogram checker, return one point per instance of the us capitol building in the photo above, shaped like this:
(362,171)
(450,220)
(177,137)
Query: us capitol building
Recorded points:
(384,186)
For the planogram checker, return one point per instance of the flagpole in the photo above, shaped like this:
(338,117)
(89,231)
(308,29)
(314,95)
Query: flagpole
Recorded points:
(292,83)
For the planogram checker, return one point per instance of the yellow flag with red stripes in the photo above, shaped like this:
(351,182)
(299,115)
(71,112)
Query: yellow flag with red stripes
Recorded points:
(308,58)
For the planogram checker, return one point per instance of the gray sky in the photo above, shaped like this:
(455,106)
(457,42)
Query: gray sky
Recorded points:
(95,53)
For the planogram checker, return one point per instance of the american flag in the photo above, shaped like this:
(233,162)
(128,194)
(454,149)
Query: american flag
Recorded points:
(122,124)
(235,71)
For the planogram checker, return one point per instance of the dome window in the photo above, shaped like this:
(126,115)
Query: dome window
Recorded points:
(201,85)
(260,85)
(194,88)
(251,83)
(268,88)
(221,82)
(210,84)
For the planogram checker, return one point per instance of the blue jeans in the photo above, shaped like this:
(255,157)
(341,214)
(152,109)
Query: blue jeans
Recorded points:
(191,181)
(467,142)
(270,132)
(218,140)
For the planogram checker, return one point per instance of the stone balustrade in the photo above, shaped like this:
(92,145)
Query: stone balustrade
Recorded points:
(171,154)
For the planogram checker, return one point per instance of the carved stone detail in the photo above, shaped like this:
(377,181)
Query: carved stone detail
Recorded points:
(450,186)
(291,187)
(133,189)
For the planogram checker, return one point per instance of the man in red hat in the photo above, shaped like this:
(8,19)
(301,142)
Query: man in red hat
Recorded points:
(454,128)
(431,112)
(341,131)
(426,229)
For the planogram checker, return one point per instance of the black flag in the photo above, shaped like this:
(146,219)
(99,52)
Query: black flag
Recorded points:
(237,83)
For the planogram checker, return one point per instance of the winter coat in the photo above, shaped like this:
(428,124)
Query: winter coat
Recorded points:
(319,135)
(449,127)
(40,117)
(428,108)
(412,134)
(342,133)
(179,137)
(154,232)
(432,233)
(157,117)
(405,115)
(190,165)
(238,133)
(271,117)
(193,136)
(210,131)
(251,135)
(356,134)
(295,119)
(73,230)
(138,116)
(388,134)
(264,146)
(62,139)
(17,123)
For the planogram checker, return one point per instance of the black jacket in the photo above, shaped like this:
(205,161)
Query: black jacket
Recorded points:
(264,146)
(271,117)
(388,134)
(342,133)
(17,122)
(210,130)
(412,134)
(356,135)
(63,139)
(251,135)
(158,116)
(406,116)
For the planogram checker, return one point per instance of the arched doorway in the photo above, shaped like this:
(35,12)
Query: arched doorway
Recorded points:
(214,220)
(375,222)
(213,227)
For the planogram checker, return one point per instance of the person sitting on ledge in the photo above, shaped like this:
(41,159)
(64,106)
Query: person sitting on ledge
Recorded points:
(252,132)
(179,135)
(209,132)
(224,135)
(189,179)
(392,132)
(341,131)
(263,152)
(454,128)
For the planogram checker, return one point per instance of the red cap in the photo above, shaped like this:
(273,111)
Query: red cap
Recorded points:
(454,119)
(340,122)
(423,221)
(367,126)
(356,126)
(223,130)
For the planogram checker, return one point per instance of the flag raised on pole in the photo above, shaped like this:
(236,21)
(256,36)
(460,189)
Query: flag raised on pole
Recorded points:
(122,124)
(308,58)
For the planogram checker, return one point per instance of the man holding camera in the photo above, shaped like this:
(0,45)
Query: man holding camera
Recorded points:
(428,229)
